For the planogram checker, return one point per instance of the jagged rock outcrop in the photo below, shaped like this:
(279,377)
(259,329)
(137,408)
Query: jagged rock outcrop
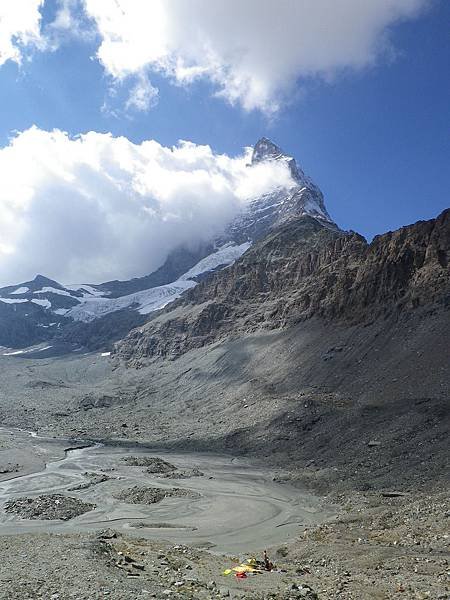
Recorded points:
(304,269)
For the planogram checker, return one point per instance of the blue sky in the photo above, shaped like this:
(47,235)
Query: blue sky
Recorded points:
(375,138)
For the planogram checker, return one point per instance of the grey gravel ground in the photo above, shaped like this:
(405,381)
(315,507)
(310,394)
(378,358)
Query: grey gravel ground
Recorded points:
(354,426)
(380,546)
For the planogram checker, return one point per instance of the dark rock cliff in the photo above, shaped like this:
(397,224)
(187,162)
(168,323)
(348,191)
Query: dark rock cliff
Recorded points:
(305,269)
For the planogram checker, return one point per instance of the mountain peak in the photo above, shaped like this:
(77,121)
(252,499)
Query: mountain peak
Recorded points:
(42,280)
(299,197)
(265,149)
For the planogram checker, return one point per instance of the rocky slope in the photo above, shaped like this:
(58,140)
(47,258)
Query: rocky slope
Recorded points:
(305,269)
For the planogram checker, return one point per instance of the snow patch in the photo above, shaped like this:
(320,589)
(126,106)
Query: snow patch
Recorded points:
(21,290)
(13,300)
(314,210)
(226,255)
(144,301)
(87,290)
(27,351)
(44,302)
(52,290)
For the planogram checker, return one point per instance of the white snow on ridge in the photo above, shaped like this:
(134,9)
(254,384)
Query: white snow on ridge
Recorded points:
(94,304)
(88,290)
(264,208)
(147,301)
(27,350)
(52,290)
(312,208)
(13,300)
(44,303)
(163,295)
(226,255)
(21,290)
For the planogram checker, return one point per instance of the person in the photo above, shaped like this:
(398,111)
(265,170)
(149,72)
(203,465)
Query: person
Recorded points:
(268,565)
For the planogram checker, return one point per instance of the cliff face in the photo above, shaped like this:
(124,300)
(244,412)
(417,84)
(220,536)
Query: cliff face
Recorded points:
(300,270)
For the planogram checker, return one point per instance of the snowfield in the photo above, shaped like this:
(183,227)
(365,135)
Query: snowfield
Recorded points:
(147,301)
(52,290)
(96,303)
(13,300)
(44,303)
(224,256)
(86,290)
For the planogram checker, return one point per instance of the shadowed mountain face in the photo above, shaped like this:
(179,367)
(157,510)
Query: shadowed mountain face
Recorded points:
(301,270)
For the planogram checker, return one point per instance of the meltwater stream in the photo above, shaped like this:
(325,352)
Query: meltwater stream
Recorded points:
(238,508)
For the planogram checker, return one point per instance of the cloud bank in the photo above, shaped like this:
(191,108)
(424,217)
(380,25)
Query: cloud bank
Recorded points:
(254,51)
(20,22)
(98,207)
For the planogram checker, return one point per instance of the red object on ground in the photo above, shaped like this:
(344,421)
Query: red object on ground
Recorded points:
(241,575)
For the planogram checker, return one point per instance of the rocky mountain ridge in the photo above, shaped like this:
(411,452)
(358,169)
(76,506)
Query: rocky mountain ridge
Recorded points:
(303,270)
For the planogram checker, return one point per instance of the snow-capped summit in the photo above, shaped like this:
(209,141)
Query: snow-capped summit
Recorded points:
(265,149)
(302,197)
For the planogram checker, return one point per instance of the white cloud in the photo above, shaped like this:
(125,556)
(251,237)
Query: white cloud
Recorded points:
(19,28)
(255,51)
(65,19)
(70,21)
(96,207)
(143,95)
